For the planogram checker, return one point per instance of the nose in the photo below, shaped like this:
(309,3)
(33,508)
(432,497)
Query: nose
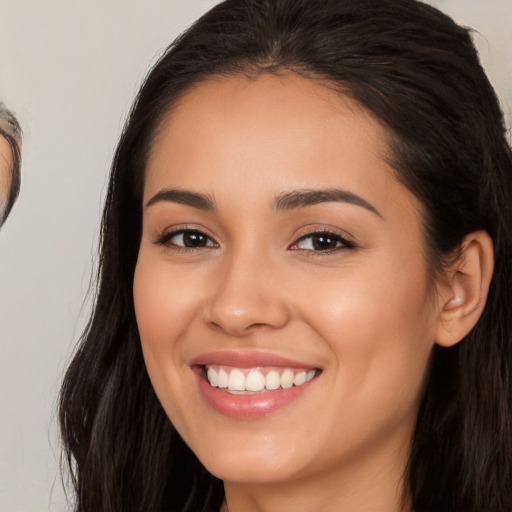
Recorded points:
(247,296)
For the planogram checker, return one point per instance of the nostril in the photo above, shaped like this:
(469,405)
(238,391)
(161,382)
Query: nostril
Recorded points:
(238,307)
(259,325)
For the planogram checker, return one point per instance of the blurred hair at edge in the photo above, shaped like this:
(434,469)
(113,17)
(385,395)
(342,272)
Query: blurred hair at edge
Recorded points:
(10,177)
(418,72)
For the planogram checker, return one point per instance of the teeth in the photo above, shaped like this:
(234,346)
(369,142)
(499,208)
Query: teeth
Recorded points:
(222,382)
(299,379)
(273,380)
(213,377)
(236,380)
(255,381)
(287,379)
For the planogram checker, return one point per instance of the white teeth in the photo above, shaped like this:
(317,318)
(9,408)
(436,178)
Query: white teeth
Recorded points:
(237,381)
(213,377)
(287,379)
(255,381)
(223,379)
(272,380)
(299,379)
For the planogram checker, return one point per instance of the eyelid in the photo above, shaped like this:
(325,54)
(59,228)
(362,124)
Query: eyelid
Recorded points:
(164,236)
(342,236)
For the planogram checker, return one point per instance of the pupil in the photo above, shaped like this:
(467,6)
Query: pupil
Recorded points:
(323,242)
(194,240)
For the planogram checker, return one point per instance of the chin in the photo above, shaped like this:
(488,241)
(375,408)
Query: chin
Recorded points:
(254,471)
(261,461)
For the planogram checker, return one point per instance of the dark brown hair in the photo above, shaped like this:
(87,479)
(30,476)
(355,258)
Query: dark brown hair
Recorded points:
(419,73)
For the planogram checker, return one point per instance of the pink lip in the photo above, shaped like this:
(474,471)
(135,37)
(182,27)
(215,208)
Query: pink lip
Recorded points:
(242,359)
(246,406)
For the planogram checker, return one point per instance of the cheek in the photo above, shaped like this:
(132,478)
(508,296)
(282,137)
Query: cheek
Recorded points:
(164,307)
(4,184)
(379,328)
(385,299)
(164,303)
(163,310)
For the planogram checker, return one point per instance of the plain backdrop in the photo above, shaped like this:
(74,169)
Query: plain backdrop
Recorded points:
(69,69)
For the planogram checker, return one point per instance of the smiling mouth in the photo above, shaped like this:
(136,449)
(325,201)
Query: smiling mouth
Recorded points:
(256,380)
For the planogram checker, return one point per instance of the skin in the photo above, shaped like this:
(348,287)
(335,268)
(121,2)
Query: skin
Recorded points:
(6,162)
(364,315)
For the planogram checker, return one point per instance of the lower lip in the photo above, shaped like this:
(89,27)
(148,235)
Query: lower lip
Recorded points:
(248,406)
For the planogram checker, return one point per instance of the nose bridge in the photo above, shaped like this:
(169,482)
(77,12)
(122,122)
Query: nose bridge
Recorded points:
(247,295)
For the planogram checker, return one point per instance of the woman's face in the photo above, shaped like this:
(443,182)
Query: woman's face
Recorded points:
(5,172)
(279,251)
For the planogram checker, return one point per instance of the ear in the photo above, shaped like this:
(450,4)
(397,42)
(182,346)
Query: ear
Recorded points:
(463,295)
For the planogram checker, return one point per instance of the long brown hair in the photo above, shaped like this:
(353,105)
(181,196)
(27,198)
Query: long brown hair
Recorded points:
(419,73)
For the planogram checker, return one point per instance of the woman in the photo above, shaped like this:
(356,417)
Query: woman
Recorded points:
(305,289)
(10,161)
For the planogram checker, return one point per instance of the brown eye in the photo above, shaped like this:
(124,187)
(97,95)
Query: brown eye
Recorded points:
(194,239)
(322,241)
(187,238)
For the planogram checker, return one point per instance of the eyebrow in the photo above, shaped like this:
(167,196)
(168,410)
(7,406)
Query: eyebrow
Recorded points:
(186,197)
(305,198)
(288,201)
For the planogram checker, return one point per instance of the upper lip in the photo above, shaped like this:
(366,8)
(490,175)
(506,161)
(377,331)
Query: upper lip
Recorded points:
(246,359)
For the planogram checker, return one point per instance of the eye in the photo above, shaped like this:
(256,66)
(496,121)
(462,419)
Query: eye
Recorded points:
(186,238)
(322,241)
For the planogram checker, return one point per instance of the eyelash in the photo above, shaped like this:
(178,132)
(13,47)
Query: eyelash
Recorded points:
(340,241)
(166,237)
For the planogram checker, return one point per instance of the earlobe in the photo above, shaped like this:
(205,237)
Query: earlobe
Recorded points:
(464,294)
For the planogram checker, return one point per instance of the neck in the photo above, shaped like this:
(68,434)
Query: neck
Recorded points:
(375,487)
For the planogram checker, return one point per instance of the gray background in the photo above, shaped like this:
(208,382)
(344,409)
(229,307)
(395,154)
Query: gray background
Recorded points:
(70,68)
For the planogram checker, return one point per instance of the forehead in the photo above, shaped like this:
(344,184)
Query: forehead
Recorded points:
(241,137)
(269,116)
(243,144)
